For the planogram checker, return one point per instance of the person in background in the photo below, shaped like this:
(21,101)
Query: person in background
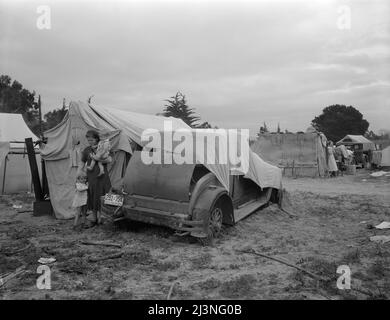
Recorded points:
(338,153)
(98,185)
(332,165)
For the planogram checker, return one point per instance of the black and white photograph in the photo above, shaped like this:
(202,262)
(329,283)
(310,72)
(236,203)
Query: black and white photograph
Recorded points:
(195,150)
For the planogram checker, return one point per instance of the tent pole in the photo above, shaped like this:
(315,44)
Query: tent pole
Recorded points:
(5,171)
(45,185)
(34,169)
(40,117)
(318,167)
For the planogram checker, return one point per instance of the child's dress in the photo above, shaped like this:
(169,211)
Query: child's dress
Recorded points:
(81,195)
(103,149)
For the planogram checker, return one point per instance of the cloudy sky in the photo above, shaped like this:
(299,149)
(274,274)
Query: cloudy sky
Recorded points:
(239,63)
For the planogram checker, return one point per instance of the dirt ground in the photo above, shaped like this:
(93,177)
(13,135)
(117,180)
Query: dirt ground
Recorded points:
(334,221)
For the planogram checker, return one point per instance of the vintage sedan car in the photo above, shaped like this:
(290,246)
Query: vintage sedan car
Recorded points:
(188,198)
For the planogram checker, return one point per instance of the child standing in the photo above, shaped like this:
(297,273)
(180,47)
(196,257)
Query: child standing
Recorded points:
(102,153)
(80,200)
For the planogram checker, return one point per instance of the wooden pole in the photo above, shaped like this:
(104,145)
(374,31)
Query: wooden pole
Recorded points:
(293,169)
(315,276)
(5,171)
(40,117)
(34,169)
(45,185)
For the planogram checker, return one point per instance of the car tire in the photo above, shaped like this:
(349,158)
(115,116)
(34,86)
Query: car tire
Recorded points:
(214,224)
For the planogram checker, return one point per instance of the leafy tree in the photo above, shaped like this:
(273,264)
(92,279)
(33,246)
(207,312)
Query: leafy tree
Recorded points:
(54,117)
(336,121)
(16,99)
(177,107)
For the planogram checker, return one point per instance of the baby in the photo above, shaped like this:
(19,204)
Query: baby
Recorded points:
(80,200)
(102,153)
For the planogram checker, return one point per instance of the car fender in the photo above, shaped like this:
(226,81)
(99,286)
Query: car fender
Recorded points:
(205,202)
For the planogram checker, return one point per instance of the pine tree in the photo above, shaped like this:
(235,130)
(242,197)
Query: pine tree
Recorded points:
(177,107)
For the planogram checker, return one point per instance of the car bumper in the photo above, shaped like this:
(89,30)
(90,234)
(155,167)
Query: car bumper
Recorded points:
(174,221)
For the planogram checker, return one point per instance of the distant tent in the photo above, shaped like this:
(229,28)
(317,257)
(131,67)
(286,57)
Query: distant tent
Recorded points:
(385,161)
(299,154)
(15,174)
(357,140)
(66,141)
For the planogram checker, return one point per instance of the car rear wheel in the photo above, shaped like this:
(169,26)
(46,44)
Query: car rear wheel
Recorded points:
(214,224)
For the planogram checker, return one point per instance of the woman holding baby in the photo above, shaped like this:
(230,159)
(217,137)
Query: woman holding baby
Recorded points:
(98,180)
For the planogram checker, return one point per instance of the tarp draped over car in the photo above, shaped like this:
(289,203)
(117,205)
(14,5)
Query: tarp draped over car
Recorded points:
(134,125)
(66,141)
(239,158)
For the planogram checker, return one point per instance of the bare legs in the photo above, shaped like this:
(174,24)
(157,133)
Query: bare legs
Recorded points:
(81,212)
(101,167)
(91,165)
(97,217)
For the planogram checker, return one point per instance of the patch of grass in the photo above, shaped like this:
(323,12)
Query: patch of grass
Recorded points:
(156,277)
(22,233)
(352,256)
(208,284)
(377,269)
(139,256)
(320,267)
(8,264)
(27,279)
(75,265)
(122,295)
(239,287)
(234,266)
(166,265)
(202,261)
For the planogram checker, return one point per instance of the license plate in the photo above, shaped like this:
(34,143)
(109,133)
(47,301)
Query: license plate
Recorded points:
(113,200)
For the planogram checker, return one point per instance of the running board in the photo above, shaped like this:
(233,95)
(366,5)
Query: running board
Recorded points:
(252,206)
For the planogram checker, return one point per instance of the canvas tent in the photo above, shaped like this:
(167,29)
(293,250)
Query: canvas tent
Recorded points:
(65,142)
(298,154)
(359,141)
(385,160)
(15,175)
